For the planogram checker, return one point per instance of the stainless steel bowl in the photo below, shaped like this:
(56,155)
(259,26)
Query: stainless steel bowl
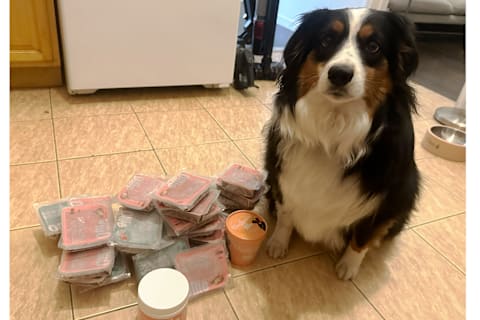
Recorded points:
(451,135)
(452,117)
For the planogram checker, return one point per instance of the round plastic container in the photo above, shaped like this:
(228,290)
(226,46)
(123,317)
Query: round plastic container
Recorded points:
(246,231)
(163,295)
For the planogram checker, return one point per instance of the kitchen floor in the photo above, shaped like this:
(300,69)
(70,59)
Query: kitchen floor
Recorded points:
(63,145)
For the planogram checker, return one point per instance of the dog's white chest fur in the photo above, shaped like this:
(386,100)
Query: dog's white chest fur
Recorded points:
(317,197)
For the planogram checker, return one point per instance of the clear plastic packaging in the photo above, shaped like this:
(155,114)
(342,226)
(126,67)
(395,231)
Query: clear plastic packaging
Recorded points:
(165,258)
(50,216)
(206,267)
(217,224)
(215,237)
(135,231)
(183,191)
(87,264)
(106,200)
(241,202)
(120,272)
(241,180)
(136,194)
(86,226)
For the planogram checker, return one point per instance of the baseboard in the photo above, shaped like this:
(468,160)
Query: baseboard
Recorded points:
(35,77)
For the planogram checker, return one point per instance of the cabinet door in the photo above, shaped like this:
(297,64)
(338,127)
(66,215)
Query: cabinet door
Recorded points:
(33,36)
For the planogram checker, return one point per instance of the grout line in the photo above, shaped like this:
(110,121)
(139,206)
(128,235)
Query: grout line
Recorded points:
(59,185)
(104,154)
(93,315)
(25,227)
(435,220)
(149,141)
(332,258)
(438,251)
(244,155)
(29,163)
(279,264)
(218,123)
(368,300)
(231,305)
(72,309)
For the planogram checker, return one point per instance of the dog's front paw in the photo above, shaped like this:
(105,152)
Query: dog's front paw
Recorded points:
(277,249)
(347,269)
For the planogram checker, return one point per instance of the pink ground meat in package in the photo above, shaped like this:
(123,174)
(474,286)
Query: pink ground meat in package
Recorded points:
(136,194)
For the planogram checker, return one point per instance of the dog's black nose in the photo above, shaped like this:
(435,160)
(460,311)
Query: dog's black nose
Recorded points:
(340,75)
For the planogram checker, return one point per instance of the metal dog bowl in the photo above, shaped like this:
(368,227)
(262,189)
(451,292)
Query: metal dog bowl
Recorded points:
(452,117)
(445,142)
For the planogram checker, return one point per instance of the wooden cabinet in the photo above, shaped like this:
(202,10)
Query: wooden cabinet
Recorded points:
(34,49)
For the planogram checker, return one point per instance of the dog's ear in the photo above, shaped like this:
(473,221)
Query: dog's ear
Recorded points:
(299,44)
(407,50)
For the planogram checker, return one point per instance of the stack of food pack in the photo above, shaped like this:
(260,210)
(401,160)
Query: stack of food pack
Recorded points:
(178,223)
(85,225)
(240,187)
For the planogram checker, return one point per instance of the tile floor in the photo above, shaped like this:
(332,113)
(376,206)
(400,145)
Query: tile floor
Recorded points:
(62,145)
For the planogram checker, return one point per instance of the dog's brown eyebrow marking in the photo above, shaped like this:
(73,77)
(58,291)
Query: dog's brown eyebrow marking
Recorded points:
(365,31)
(338,26)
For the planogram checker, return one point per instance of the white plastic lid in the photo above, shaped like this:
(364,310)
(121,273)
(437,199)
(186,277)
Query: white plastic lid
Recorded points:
(163,293)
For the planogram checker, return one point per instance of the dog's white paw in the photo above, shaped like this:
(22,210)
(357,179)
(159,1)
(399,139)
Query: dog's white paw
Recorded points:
(277,249)
(346,270)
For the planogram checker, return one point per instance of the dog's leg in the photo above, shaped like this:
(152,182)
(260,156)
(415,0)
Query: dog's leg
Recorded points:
(277,245)
(349,264)
(365,236)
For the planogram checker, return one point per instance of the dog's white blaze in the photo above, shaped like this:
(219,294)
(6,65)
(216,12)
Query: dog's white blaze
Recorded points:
(348,54)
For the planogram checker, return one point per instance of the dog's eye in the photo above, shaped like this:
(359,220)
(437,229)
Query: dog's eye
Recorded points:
(326,41)
(373,47)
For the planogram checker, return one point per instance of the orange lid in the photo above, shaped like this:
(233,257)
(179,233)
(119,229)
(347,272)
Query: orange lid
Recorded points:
(246,225)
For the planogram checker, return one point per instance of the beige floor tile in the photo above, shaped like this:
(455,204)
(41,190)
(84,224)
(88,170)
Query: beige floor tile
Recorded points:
(409,280)
(165,99)
(34,291)
(421,128)
(429,101)
(435,202)
(29,104)
(77,137)
(212,306)
(104,298)
(207,159)
(181,128)
(28,184)
(105,174)
(242,122)
(306,289)
(449,174)
(31,141)
(297,249)
(266,91)
(448,237)
(101,103)
(253,149)
(229,97)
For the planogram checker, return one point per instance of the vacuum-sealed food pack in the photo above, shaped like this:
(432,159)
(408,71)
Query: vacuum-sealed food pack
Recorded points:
(183,191)
(206,267)
(241,180)
(216,236)
(86,226)
(197,214)
(238,201)
(120,272)
(136,194)
(97,262)
(145,262)
(50,216)
(216,224)
(135,231)
(105,200)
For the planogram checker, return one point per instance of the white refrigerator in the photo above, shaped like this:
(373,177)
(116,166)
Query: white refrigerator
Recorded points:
(147,43)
